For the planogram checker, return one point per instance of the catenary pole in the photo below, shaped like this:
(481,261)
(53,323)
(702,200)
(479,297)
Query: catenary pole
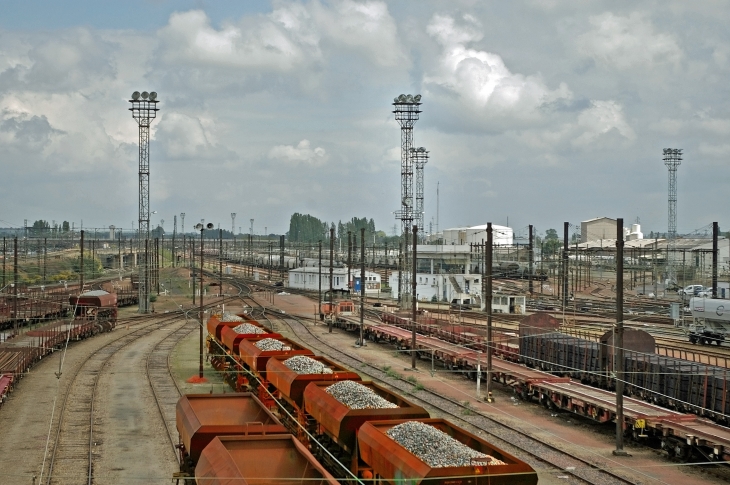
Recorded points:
(619,339)
(414,299)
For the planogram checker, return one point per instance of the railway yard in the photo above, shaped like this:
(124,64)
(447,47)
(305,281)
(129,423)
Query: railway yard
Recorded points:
(106,407)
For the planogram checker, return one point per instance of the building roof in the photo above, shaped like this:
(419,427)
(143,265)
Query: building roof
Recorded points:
(598,219)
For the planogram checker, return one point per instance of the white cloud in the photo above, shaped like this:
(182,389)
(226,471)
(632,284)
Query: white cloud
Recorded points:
(480,79)
(603,117)
(627,42)
(276,43)
(366,27)
(302,153)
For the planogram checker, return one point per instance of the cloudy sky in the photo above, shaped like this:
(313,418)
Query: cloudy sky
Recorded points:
(537,111)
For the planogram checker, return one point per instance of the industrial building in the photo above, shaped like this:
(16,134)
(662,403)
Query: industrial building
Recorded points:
(307,278)
(597,228)
(502,235)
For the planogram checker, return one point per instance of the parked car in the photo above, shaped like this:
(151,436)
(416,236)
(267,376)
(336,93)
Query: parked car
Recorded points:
(690,290)
(705,293)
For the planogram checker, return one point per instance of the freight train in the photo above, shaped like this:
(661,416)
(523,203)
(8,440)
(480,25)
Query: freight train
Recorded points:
(94,312)
(305,416)
(674,383)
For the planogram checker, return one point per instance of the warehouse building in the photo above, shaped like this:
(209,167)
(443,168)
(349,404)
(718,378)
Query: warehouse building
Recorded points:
(307,278)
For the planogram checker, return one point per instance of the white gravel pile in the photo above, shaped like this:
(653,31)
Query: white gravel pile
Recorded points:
(271,344)
(356,396)
(301,364)
(230,317)
(247,328)
(436,448)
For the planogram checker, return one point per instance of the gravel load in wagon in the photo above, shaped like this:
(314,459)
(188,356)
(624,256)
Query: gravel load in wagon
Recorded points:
(230,317)
(248,329)
(356,396)
(301,364)
(436,448)
(271,344)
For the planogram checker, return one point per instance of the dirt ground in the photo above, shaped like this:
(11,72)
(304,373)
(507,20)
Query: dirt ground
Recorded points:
(566,431)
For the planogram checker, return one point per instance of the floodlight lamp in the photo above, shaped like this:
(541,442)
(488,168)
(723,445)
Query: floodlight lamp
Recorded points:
(417,98)
(198,226)
(421,149)
(409,99)
(210,225)
(402,98)
(145,94)
(395,100)
(153,96)
(135,95)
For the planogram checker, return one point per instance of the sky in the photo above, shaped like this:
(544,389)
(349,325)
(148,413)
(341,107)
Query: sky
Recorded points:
(534,112)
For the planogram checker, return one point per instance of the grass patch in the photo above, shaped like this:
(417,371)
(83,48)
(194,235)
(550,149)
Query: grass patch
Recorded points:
(467,411)
(412,379)
(419,387)
(392,374)
(386,368)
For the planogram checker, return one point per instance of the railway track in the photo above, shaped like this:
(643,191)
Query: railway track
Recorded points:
(72,453)
(165,389)
(543,457)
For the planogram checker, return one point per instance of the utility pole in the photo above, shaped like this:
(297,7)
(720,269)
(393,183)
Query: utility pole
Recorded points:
(414,301)
(565,265)
(45,258)
(174,234)
(220,261)
(362,282)
(202,314)
(332,299)
(319,299)
(530,259)
(349,257)
(15,285)
(81,265)
(5,257)
(715,233)
(619,339)
(490,343)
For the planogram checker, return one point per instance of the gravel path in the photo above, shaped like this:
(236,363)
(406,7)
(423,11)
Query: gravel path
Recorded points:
(131,439)
(25,418)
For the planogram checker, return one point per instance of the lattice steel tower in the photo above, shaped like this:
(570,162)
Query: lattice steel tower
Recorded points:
(672,159)
(419,157)
(406,114)
(144,110)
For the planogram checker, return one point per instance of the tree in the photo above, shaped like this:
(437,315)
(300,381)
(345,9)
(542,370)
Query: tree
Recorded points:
(552,242)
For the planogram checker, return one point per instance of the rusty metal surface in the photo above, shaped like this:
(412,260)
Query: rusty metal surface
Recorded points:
(231,340)
(291,385)
(256,359)
(538,323)
(202,417)
(342,423)
(394,463)
(258,460)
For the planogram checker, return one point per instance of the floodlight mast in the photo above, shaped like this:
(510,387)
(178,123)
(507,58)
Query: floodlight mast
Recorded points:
(406,114)
(672,159)
(420,158)
(144,110)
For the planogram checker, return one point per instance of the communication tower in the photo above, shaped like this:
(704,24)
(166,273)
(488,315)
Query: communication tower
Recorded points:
(144,109)
(406,114)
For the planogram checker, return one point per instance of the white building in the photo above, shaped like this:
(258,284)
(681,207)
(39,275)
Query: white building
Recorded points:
(307,278)
(501,235)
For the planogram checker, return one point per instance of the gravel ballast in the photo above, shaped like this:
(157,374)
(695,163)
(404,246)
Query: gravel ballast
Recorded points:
(301,364)
(230,317)
(357,396)
(271,344)
(436,448)
(247,328)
